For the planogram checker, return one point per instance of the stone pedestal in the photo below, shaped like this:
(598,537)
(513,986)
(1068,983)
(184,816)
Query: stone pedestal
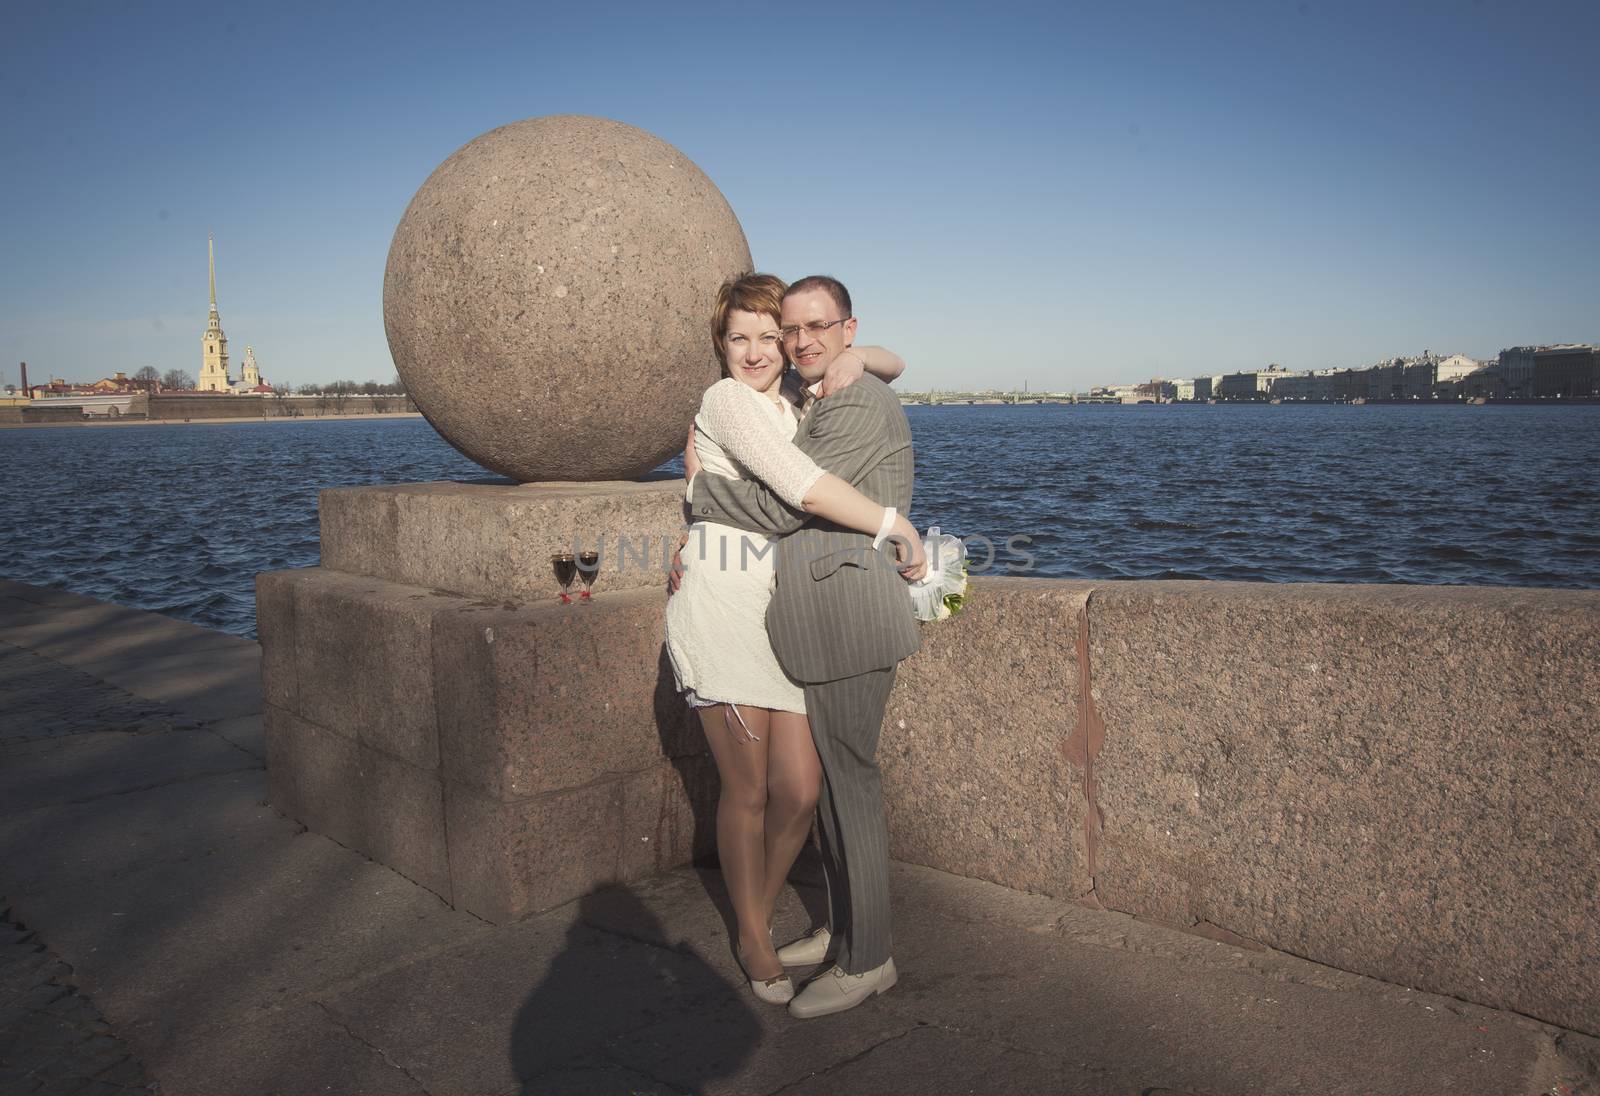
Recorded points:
(433,705)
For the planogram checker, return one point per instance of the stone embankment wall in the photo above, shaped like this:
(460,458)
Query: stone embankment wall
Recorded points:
(170,407)
(179,408)
(1400,781)
(40,411)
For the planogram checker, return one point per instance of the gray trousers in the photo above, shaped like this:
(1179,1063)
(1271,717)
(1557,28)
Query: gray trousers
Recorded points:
(846,720)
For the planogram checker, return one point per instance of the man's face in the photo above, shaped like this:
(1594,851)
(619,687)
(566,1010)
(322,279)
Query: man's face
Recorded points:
(813,353)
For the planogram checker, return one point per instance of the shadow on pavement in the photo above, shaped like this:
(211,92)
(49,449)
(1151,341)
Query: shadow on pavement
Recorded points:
(629,1013)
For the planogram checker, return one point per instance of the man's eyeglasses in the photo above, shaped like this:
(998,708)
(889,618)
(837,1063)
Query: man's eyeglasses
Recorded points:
(815,329)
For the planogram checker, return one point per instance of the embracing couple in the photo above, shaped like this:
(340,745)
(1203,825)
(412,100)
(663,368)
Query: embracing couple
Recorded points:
(791,615)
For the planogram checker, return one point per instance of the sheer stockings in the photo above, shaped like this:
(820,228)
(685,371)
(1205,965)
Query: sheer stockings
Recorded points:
(770,778)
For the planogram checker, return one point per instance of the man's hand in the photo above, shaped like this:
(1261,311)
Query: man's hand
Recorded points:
(908,550)
(691,459)
(842,372)
(675,572)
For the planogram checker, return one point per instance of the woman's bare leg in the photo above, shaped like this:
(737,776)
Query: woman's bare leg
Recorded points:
(794,777)
(740,750)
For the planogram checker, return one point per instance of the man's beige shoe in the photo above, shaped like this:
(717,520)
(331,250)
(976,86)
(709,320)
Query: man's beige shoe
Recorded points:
(835,991)
(807,951)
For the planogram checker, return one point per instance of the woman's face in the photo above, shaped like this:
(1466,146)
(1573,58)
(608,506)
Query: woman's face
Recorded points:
(754,349)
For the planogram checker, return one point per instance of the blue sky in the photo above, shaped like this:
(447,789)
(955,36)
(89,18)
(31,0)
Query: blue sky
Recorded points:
(1045,194)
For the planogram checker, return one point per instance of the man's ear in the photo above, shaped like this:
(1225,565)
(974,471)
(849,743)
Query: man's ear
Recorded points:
(850,331)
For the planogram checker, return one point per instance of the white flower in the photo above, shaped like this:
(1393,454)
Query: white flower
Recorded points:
(947,574)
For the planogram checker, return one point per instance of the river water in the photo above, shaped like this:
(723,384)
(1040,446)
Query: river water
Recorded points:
(178,519)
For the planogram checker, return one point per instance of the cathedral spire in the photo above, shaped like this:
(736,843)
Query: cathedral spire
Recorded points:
(214,358)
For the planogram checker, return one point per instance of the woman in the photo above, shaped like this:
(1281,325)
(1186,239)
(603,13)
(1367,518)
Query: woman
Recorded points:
(752,713)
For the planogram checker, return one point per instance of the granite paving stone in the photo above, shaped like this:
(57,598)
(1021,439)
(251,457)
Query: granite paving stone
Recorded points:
(52,1038)
(179,935)
(86,844)
(88,766)
(47,700)
(549,993)
(1195,1027)
(930,1059)
(191,944)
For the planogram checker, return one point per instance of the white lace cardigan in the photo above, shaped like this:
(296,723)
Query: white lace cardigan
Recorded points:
(741,434)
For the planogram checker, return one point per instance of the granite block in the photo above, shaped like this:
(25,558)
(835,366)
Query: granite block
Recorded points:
(512,858)
(551,696)
(276,633)
(362,798)
(496,541)
(1403,782)
(668,817)
(978,776)
(363,651)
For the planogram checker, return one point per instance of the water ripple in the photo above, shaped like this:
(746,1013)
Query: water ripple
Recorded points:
(179,519)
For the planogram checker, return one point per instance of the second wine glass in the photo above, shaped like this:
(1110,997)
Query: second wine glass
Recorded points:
(588,571)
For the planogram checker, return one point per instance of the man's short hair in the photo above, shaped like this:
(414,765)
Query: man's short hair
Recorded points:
(833,287)
(758,293)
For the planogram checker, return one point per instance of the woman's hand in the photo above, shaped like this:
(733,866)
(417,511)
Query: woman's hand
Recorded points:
(844,371)
(908,550)
(691,459)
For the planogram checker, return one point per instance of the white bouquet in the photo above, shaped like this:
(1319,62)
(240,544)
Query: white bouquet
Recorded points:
(940,593)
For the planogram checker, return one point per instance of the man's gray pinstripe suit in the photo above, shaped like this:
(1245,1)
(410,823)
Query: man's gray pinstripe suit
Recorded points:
(840,621)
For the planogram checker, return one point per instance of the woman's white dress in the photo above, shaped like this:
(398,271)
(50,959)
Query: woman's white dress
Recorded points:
(716,622)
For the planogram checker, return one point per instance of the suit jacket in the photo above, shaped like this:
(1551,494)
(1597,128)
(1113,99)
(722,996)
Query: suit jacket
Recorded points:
(840,607)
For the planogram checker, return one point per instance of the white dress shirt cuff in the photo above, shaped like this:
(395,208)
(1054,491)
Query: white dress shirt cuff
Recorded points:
(883,529)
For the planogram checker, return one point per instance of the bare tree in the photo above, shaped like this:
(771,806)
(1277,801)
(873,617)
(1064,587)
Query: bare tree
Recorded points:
(341,391)
(177,379)
(148,378)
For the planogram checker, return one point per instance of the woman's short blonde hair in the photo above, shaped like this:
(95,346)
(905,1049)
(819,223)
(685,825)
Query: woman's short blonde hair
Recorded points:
(758,293)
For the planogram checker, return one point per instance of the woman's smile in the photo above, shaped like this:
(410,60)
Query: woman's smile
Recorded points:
(753,349)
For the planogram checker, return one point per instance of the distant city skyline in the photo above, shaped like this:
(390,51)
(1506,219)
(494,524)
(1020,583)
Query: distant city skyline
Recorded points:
(1054,197)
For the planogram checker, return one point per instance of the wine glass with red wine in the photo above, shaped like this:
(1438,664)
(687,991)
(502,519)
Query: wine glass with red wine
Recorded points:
(588,571)
(566,567)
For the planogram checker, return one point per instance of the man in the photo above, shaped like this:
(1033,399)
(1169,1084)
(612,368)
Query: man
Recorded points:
(840,622)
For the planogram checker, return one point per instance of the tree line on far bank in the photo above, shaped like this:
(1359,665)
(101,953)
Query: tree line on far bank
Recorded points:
(180,380)
(330,397)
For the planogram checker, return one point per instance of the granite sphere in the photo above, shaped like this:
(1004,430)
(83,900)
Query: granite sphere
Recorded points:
(547,297)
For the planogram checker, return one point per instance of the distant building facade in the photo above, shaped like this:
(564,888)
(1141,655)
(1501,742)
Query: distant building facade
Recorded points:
(249,382)
(1455,367)
(1566,373)
(1249,386)
(1155,390)
(1303,386)
(1516,370)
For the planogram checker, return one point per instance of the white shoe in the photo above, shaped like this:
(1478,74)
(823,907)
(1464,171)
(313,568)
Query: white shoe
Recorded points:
(835,991)
(774,991)
(807,951)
